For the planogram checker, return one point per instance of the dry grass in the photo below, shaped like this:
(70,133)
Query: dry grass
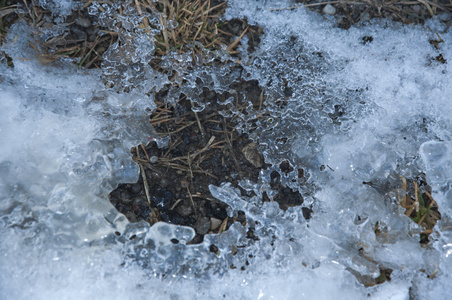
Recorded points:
(89,54)
(194,25)
(187,161)
(7,16)
(420,207)
(189,26)
(185,26)
(85,51)
(186,23)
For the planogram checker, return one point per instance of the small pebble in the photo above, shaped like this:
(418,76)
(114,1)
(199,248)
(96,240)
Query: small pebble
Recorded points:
(214,223)
(153,159)
(202,226)
(329,9)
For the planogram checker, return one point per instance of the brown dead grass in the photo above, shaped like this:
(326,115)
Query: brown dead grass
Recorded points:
(7,16)
(189,26)
(186,24)
(87,53)
(419,207)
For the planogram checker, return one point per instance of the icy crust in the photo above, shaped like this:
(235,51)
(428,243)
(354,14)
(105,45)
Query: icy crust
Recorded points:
(63,148)
(347,128)
(62,238)
(304,102)
(61,8)
(125,64)
(162,250)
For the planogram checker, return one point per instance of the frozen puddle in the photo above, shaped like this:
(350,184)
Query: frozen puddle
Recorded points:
(353,112)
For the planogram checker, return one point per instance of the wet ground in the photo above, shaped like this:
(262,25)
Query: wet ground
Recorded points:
(202,148)
(193,147)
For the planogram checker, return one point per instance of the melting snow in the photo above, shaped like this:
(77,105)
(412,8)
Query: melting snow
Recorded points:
(355,112)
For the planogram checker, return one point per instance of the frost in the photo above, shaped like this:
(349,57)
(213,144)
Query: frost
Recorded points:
(344,111)
(60,7)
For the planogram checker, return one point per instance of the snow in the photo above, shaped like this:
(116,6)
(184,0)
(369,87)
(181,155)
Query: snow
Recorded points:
(65,141)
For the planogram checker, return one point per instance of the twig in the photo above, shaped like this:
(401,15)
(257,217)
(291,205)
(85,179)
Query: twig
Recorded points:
(176,203)
(157,121)
(427,5)
(172,145)
(426,214)
(416,202)
(206,173)
(175,166)
(231,149)
(145,181)
(232,46)
(7,10)
(206,147)
(223,225)
(404,198)
(410,210)
(217,6)
(145,153)
(191,198)
(203,133)
(145,163)
(189,159)
(431,198)
(179,129)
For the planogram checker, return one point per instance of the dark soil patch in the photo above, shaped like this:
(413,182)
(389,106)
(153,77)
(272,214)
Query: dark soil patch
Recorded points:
(203,148)
(286,197)
(348,13)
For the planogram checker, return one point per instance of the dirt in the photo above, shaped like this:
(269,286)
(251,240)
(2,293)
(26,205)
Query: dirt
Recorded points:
(347,14)
(204,148)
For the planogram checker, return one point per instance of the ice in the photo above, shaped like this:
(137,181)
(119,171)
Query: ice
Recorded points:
(61,8)
(345,111)
(437,158)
